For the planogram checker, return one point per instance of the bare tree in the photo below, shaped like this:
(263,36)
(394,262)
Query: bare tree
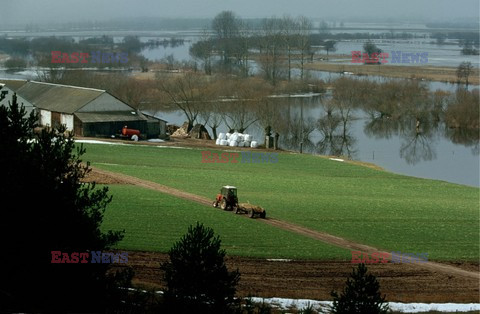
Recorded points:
(226,27)
(288,36)
(212,110)
(242,102)
(330,45)
(187,92)
(245,34)
(304,28)
(203,50)
(271,49)
(463,71)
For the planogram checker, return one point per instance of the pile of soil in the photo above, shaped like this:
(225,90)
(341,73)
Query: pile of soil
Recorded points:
(102,178)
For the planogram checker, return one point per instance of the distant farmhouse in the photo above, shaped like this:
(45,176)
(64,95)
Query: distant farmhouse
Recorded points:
(84,111)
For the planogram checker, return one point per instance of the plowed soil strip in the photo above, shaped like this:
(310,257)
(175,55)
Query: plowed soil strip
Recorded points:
(324,237)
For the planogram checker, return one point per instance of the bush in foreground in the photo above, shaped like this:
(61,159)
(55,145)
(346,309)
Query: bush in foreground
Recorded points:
(361,295)
(197,278)
(46,208)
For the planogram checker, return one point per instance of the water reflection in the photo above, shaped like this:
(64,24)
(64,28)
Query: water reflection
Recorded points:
(417,118)
(334,125)
(418,142)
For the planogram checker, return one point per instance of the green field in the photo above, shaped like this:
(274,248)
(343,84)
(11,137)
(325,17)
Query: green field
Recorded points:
(153,221)
(382,209)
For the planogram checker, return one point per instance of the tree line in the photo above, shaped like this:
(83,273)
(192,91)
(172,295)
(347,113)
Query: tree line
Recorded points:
(275,45)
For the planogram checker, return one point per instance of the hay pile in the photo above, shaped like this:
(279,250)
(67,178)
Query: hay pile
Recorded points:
(249,206)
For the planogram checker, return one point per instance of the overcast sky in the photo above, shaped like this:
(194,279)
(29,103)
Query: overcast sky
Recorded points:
(70,10)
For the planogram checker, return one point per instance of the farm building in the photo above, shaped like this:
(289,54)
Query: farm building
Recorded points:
(6,92)
(84,111)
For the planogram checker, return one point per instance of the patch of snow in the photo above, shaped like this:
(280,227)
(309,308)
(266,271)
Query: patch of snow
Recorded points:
(439,307)
(119,143)
(302,304)
(336,159)
(278,260)
(155,140)
(179,147)
(99,142)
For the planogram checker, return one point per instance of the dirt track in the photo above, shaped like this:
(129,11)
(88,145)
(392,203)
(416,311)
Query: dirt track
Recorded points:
(440,281)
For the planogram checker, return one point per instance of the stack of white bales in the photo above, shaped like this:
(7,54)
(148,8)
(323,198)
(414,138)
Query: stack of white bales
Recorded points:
(236,140)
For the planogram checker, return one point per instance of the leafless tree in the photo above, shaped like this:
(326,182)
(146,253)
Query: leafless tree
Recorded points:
(304,28)
(242,102)
(203,51)
(226,27)
(271,49)
(188,92)
(464,70)
(288,28)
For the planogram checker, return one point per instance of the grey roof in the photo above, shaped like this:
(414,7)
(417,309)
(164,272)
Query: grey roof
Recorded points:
(58,98)
(152,117)
(110,116)
(13,84)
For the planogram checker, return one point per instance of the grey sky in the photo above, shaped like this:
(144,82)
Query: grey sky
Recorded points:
(69,10)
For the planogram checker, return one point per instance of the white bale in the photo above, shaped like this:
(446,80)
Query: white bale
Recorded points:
(227,136)
(241,144)
(234,137)
(221,136)
(241,138)
(248,138)
(254,144)
(217,142)
(223,142)
(247,143)
(233,143)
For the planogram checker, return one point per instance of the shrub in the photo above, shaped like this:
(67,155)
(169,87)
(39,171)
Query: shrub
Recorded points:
(197,278)
(46,208)
(361,295)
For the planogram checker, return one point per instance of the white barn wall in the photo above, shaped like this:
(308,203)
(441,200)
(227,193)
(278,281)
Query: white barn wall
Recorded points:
(67,119)
(45,118)
(105,102)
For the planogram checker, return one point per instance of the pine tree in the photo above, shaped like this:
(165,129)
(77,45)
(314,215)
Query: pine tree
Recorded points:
(361,295)
(197,278)
(46,208)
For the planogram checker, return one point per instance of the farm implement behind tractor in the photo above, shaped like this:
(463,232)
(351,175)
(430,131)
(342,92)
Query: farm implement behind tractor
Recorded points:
(228,200)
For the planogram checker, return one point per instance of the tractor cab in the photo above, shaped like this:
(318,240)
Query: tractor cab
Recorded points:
(227,198)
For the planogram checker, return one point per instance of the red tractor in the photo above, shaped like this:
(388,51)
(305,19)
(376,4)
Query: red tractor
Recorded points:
(228,200)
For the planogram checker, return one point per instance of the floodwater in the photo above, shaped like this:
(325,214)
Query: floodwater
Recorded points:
(434,156)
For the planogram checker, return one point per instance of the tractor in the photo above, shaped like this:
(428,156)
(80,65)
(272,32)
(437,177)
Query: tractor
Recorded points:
(228,200)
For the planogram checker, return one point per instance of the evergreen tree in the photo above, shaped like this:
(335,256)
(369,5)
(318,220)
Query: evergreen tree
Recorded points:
(46,208)
(197,278)
(361,295)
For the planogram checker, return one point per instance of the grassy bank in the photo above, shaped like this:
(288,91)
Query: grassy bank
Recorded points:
(389,211)
(429,73)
